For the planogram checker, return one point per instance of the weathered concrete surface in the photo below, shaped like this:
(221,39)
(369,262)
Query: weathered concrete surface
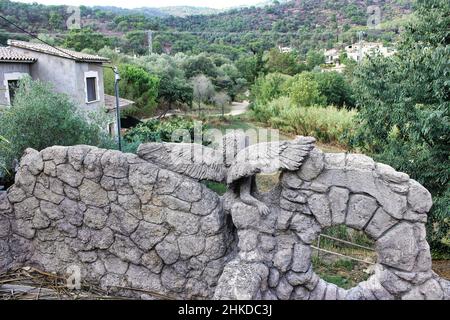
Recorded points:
(128,223)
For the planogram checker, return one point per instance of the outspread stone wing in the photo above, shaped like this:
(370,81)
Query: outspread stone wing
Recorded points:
(270,157)
(193,160)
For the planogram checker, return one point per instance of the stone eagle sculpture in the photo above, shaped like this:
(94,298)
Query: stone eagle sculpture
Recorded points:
(235,162)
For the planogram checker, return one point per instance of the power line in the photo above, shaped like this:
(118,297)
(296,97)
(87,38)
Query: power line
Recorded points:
(45,42)
(36,37)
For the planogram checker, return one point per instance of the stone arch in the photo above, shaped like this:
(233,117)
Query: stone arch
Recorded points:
(330,190)
(127,222)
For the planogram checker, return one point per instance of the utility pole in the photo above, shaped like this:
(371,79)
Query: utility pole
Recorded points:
(360,50)
(150,41)
(116,87)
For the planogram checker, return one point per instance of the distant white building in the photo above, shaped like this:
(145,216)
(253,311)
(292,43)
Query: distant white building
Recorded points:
(358,51)
(285,49)
(332,56)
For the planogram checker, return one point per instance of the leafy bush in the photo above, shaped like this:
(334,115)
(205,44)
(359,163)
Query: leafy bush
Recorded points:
(329,125)
(159,131)
(265,112)
(304,91)
(269,87)
(335,89)
(40,118)
(136,84)
(287,63)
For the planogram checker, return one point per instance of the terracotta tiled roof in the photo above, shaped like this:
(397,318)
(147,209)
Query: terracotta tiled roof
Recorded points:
(110,103)
(9,55)
(60,52)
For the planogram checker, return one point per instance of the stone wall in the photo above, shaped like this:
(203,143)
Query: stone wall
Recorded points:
(128,224)
(274,260)
(122,221)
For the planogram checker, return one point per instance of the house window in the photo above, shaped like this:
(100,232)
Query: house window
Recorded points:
(91,87)
(12,87)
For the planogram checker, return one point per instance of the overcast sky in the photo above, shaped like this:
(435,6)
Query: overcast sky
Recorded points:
(150,3)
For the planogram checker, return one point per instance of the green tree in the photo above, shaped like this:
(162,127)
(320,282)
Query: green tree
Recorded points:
(175,92)
(136,42)
(86,38)
(286,63)
(314,58)
(136,84)
(304,91)
(201,64)
(203,89)
(249,67)
(174,89)
(221,99)
(40,118)
(55,20)
(404,109)
(335,89)
(269,87)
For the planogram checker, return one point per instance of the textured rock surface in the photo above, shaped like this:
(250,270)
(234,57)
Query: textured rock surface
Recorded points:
(123,221)
(128,223)
(334,189)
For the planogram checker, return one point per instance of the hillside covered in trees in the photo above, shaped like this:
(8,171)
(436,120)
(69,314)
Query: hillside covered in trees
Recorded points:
(303,25)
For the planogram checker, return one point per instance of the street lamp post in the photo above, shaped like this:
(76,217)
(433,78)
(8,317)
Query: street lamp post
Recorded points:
(116,87)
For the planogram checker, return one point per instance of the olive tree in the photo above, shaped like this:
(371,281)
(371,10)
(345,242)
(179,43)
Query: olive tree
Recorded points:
(221,99)
(203,89)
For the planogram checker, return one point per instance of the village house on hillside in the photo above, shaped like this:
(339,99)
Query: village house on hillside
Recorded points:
(358,51)
(333,62)
(79,75)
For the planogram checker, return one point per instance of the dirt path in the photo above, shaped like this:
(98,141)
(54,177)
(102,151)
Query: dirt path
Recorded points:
(238,108)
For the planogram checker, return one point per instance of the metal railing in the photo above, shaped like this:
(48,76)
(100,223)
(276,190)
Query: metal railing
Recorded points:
(319,250)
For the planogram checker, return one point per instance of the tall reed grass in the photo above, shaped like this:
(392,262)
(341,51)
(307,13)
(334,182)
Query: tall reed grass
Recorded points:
(328,124)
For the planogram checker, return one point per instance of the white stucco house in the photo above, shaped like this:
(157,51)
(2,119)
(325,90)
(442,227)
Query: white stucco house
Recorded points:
(331,56)
(358,51)
(285,49)
(79,75)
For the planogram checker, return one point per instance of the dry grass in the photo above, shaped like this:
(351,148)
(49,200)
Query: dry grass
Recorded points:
(32,284)
(442,268)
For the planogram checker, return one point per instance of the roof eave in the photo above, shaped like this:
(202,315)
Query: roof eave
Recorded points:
(89,61)
(18,45)
(17,61)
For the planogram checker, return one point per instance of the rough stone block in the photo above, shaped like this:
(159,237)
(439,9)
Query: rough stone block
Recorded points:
(320,208)
(379,224)
(92,193)
(67,174)
(419,198)
(338,198)
(313,166)
(147,235)
(398,247)
(360,211)
(360,162)
(307,228)
(301,261)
